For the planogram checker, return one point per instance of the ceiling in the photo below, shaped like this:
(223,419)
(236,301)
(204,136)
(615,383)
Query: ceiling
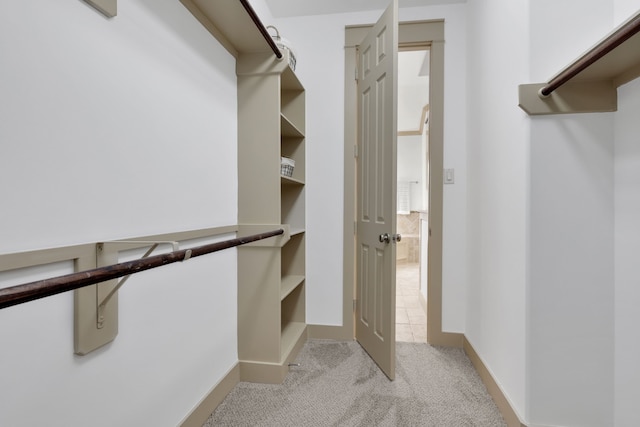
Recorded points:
(287,8)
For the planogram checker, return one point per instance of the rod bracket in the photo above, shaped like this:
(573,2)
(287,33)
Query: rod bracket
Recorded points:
(96,305)
(102,304)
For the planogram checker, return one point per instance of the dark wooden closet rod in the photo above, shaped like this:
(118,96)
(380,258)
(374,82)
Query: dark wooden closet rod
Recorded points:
(43,288)
(607,45)
(256,20)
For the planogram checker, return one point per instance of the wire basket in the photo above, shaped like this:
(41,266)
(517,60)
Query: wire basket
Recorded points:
(283,44)
(286,166)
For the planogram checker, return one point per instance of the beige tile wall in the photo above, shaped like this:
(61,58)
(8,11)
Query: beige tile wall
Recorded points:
(409,247)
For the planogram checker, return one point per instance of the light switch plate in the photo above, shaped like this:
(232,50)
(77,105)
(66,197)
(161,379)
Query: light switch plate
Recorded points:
(449,176)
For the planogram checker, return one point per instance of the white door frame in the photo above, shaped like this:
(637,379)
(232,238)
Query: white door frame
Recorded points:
(417,33)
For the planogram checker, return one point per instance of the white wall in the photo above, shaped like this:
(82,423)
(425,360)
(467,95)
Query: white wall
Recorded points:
(454,225)
(410,167)
(624,9)
(262,10)
(570,295)
(627,248)
(497,191)
(319,44)
(570,298)
(541,217)
(115,128)
(627,211)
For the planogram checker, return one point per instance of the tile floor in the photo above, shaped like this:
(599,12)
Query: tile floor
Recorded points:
(411,322)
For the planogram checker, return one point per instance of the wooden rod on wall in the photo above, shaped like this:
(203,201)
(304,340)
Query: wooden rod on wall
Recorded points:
(256,20)
(19,294)
(607,45)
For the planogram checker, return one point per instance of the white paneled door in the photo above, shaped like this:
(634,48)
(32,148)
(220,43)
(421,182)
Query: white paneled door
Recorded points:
(376,203)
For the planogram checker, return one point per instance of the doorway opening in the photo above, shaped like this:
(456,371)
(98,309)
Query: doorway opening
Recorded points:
(412,193)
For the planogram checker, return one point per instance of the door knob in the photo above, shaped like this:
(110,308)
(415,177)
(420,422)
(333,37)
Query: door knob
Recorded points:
(386,238)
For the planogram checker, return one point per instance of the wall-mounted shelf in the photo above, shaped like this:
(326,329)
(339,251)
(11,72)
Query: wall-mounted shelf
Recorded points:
(289,129)
(285,180)
(234,24)
(589,84)
(289,284)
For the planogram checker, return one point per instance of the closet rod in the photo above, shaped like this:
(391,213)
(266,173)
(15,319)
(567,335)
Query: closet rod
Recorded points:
(19,294)
(601,49)
(256,20)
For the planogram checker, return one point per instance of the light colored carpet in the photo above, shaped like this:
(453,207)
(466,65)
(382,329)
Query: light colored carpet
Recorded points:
(337,384)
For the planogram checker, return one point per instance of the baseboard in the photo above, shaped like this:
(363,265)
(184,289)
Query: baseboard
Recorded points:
(341,333)
(262,372)
(271,373)
(444,339)
(324,332)
(508,413)
(199,415)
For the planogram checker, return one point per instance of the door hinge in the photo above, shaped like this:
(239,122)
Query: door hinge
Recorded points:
(355,151)
(355,74)
(355,227)
(355,304)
